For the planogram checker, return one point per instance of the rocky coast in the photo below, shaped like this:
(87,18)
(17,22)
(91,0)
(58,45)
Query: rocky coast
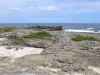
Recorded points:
(55,53)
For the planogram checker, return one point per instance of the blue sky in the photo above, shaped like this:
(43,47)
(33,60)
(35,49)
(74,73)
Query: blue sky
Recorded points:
(50,11)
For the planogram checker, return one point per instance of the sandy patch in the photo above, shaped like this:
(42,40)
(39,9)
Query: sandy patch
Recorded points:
(75,74)
(2,39)
(49,69)
(18,53)
(95,69)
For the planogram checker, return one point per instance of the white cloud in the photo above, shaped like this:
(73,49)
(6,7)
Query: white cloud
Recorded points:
(31,7)
(80,6)
(48,8)
(68,6)
(15,8)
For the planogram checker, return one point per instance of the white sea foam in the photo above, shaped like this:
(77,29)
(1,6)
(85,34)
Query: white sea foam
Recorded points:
(88,30)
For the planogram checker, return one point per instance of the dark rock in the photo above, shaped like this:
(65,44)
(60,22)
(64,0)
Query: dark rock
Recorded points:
(50,28)
(9,47)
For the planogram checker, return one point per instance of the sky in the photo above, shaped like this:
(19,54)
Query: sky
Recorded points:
(50,11)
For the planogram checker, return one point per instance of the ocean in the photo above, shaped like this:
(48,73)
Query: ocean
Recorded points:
(72,26)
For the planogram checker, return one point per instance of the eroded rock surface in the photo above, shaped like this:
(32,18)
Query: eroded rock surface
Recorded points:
(61,56)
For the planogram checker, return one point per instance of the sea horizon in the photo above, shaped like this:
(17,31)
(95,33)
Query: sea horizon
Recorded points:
(95,26)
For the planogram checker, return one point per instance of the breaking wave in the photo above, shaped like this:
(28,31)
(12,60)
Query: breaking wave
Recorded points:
(88,30)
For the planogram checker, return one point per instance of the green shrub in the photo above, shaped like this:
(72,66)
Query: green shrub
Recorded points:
(8,28)
(38,35)
(82,38)
(16,40)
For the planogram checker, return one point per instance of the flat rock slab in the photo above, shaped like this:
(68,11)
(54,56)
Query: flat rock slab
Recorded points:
(2,39)
(4,52)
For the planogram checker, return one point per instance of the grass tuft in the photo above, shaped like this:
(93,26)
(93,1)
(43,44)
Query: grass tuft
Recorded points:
(82,38)
(42,34)
(8,28)
(16,40)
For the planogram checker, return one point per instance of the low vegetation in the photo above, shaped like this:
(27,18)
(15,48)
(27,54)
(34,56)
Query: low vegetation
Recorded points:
(16,40)
(8,28)
(82,38)
(38,35)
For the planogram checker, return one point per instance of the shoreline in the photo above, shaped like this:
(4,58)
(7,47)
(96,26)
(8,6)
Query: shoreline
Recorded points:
(81,30)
